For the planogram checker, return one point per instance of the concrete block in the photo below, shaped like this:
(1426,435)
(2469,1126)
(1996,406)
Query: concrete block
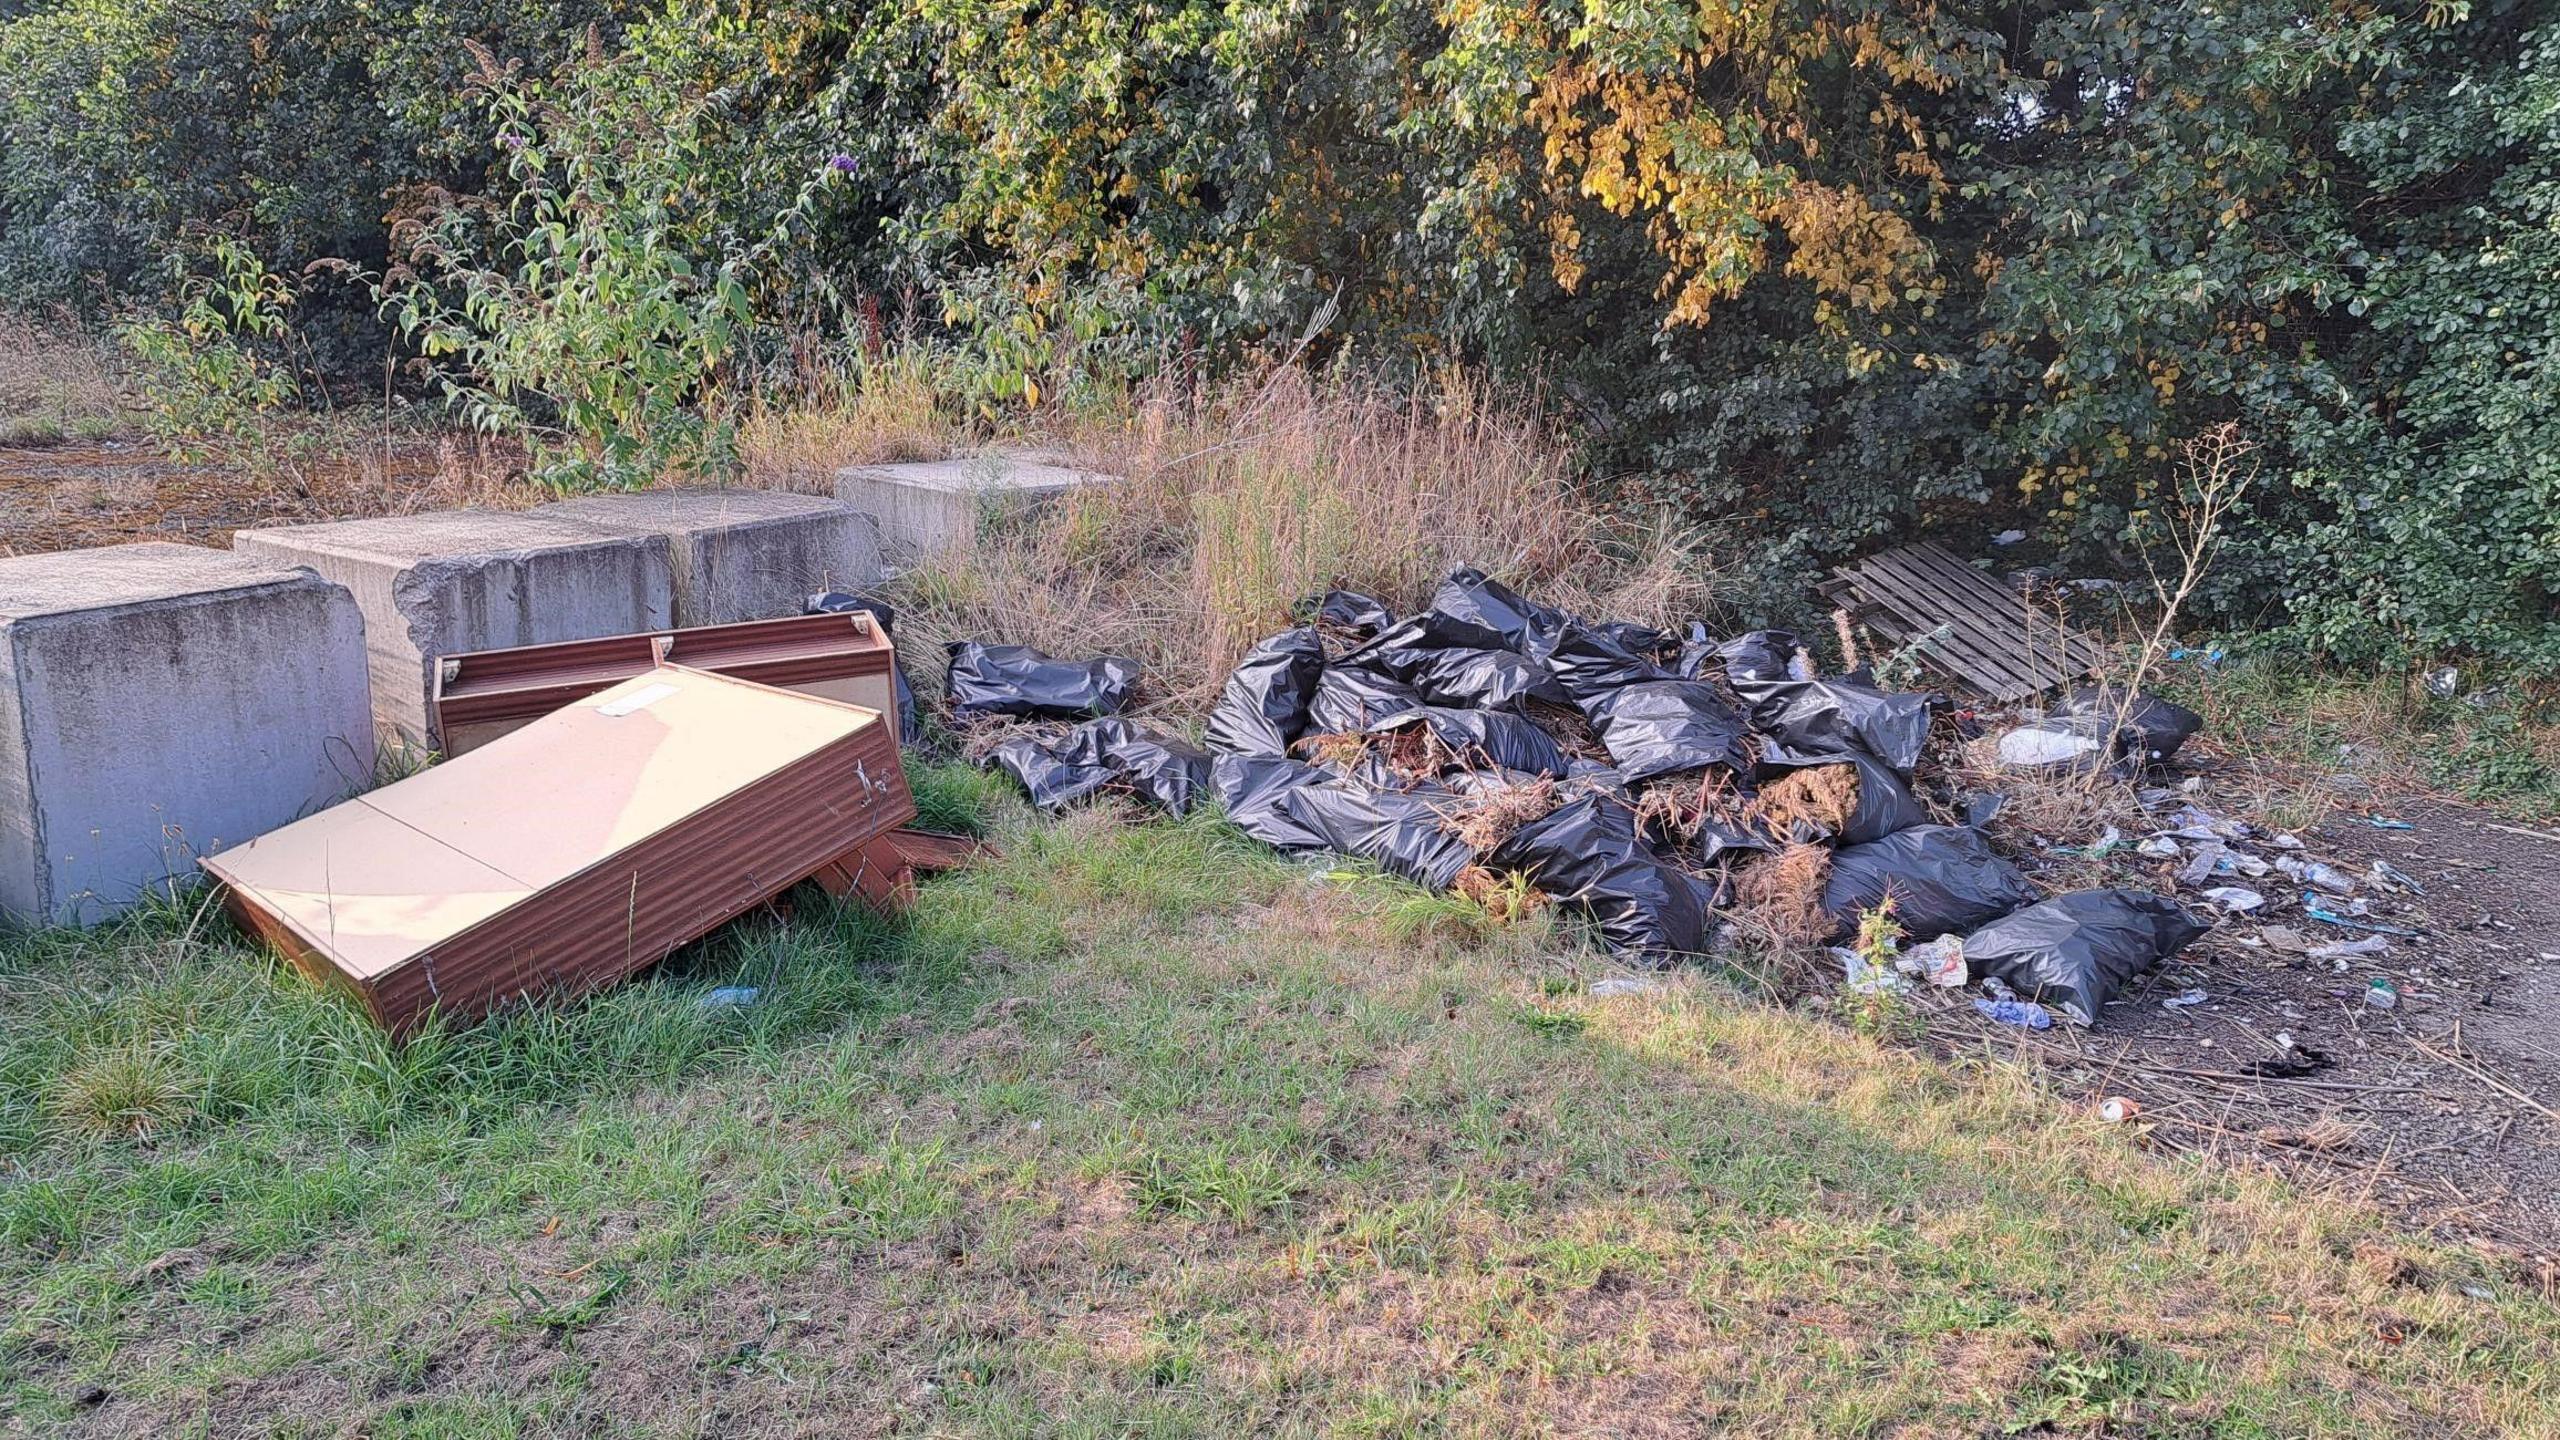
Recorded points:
(742,554)
(933,506)
(452,581)
(159,702)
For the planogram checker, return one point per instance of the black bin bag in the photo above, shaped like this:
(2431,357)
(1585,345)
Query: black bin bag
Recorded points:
(1348,701)
(1885,804)
(1362,615)
(1843,711)
(1253,788)
(1398,830)
(1484,737)
(2075,952)
(1942,878)
(1263,709)
(1107,755)
(1759,655)
(1591,858)
(1019,681)
(2157,727)
(1452,662)
(1470,597)
(1654,727)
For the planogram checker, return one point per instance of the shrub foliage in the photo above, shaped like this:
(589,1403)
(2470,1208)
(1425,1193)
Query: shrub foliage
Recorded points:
(1820,272)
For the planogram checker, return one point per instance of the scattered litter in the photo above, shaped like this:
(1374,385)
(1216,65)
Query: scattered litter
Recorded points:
(2319,874)
(1939,961)
(2379,994)
(732,997)
(2320,910)
(2387,876)
(2185,1000)
(2008,537)
(2025,1014)
(2379,822)
(2144,724)
(2212,655)
(2117,1109)
(2293,1063)
(2287,842)
(1867,978)
(2286,939)
(2048,745)
(2158,847)
(2237,899)
(2078,950)
(988,680)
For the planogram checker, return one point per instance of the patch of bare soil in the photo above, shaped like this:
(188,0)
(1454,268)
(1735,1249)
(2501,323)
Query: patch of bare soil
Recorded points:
(2445,1106)
(66,496)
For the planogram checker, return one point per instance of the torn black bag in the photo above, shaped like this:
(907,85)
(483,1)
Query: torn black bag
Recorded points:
(1590,857)
(1112,755)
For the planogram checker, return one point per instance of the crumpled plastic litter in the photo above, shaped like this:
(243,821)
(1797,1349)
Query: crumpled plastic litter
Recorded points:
(838,602)
(2052,745)
(2076,951)
(1016,680)
(1942,878)
(1111,754)
(1885,804)
(2237,899)
(1845,711)
(1589,856)
(1263,709)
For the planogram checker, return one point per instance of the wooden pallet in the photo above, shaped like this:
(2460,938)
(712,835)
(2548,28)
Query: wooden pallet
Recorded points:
(1995,645)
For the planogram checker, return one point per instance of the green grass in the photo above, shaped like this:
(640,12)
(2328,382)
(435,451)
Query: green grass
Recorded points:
(1139,1131)
(2496,744)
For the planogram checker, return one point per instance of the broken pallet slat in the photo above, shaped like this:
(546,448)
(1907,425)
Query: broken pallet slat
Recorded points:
(1995,644)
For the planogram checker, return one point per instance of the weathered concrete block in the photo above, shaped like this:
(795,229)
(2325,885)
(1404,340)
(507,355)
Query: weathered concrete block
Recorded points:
(742,554)
(158,702)
(452,581)
(928,507)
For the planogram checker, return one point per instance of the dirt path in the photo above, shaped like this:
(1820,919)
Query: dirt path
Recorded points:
(2442,1106)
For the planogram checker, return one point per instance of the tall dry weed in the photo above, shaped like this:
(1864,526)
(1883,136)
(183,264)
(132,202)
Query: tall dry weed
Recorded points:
(53,370)
(1243,499)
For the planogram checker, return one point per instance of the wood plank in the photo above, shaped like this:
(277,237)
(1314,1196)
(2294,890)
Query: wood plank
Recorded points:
(2082,648)
(1988,663)
(1994,643)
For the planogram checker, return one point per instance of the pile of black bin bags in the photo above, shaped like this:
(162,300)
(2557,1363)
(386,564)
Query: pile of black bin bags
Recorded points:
(1479,669)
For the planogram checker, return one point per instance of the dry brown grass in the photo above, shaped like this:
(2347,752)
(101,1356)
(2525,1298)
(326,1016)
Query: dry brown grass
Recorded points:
(1816,800)
(886,412)
(1496,813)
(54,373)
(1241,500)
(1781,895)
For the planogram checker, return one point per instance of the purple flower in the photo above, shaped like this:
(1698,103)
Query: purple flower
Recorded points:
(512,141)
(841,163)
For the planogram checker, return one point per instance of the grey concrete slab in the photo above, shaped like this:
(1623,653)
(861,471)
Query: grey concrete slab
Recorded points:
(934,505)
(159,702)
(742,554)
(452,581)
